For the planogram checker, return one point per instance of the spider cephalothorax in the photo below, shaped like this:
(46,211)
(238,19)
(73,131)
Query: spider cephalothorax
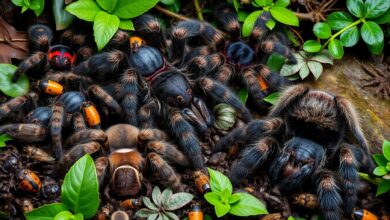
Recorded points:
(305,142)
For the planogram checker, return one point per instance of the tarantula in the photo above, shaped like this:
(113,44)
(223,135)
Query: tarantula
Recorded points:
(121,172)
(183,103)
(311,126)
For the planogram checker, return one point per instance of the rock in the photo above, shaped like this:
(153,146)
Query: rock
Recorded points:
(345,78)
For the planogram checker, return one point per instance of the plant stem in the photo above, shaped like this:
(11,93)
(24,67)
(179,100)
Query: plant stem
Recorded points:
(170,13)
(341,31)
(198,10)
(305,16)
(373,180)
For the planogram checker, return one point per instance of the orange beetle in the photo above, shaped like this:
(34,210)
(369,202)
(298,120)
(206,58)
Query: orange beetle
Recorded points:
(136,42)
(50,87)
(130,203)
(196,212)
(29,181)
(202,182)
(363,214)
(91,115)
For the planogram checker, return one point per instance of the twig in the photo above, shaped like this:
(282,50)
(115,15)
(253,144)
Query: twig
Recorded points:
(296,33)
(305,16)
(198,10)
(170,13)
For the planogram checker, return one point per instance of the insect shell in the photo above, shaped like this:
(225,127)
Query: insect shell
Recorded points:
(202,182)
(91,115)
(50,87)
(363,214)
(225,117)
(196,212)
(29,181)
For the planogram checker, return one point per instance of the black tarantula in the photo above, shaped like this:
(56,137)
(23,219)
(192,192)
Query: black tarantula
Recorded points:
(311,126)
(184,102)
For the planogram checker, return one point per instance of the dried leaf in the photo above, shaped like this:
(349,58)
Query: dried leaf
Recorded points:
(13,43)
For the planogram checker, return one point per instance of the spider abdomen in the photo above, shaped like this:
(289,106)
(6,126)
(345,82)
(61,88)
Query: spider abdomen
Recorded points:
(147,60)
(72,101)
(239,53)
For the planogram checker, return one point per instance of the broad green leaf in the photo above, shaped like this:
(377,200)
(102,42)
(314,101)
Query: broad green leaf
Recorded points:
(19,88)
(243,94)
(241,15)
(304,71)
(386,149)
(383,19)
(104,27)
(263,2)
(322,58)
(315,68)
(78,216)
(356,7)
(380,171)
(350,37)
(376,49)
(291,69)
(41,5)
(64,215)
(46,212)
(178,200)
(339,20)
(272,98)
(144,213)
(284,15)
(221,209)
(312,46)
(62,18)
(19,3)
(108,5)
(282,3)
(275,62)
(383,187)
(4,138)
(336,49)
(156,196)
(371,33)
(84,10)
(322,30)
(375,8)
(270,24)
(380,159)
(249,22)
(166,194)
(247,205)
(236,5)
(234,198)
(126,25)
(79,190)
(213,198)
(34,5)
(225,195)
(219,182)
(149,203)
(130,9)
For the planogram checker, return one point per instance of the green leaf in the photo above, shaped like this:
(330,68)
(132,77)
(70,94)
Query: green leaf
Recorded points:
(19,88)
(156,196)
(234,198)
(339,20)
(108,5)
(104,27)
(78,216)
(282,3)
(19,3)
(247,205)
(275,62)
(24,9)
(356,7)
(312,46)
(149,203)
(46,212)
(243,94)
(270,24)
(64,215)
(371,33)
(219,182)
(178,200)
(284,15)
(4,138)
(249,22)
(171,216)
(350,37)
(169,2)
(225,195)
(380,159)
(375,8)
(130,9)
(41,5)
(155,216)
(322,30)
(236,5)
(316,68)
(386,149)
(263,2)
(213,198)
(241,15)
(376,49)
(166,194)
(80,188)
(385,18)
(304,71)
(62,18)
(291,69)
(322,58)
(336,49)
(383,187)
(84,10)
(144,213)
(126,25)
(380,171)
(221,209)
(272,98)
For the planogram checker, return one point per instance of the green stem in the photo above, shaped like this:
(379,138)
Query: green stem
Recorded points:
(198,10)
(341,31)
(368,178)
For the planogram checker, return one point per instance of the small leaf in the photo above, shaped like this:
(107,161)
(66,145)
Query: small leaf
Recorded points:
(339,20)
(322,30)
(46,212)
(236,5)
(356,7)
(156,196)
(126,25)
(242,15)
(380,159)
(270,24)
(350,37)
(213,198)
(85,10)
(221,209)
(80,187)
(304,71)
(386,149)
(19,3)
(243,94)
(130,9)
(225,195)
(154,216)
(234,198)
(247,205)
(249,22)
(104,27)
(19,88)
(380,171)
(284,15)
(275,62)
(322,58)
(316,68)
(108,5)
(383,187)
(263,2)
(149,203)
(336,49)
(385,18)
(291,69)
(64,215)
(376,49)
(24,9)
(312,46)
(178,200)
(171,216)
(166,194)
(272,98)
(62,18)
(219,182)
(41,6)
(4,138)
(282,3)
(375,8)
(144,213)
(371,33)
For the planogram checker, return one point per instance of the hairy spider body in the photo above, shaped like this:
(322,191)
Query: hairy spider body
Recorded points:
(304,140)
